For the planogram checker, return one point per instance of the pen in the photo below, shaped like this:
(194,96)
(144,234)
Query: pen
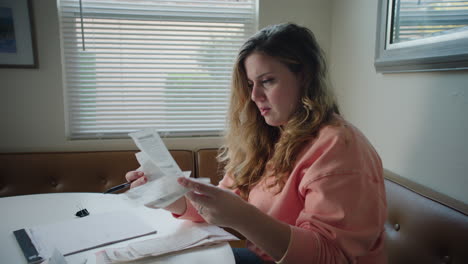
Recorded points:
(118,187)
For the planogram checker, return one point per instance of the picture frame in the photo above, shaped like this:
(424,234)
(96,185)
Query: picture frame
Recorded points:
(17,35)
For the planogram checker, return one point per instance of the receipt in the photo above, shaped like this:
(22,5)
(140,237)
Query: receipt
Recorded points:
(151,144)
(161,170)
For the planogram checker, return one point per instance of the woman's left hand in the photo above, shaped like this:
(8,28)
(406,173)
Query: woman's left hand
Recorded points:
(217,206)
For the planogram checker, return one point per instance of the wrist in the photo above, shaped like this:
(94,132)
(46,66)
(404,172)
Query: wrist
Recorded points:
(178,207)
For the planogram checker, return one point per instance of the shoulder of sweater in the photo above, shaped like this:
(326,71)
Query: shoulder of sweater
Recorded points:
(337,134)
(335,144)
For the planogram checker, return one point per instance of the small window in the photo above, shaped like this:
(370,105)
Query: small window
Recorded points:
(422,35)
(131,64)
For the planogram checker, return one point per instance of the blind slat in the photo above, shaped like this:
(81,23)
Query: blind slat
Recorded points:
(69,25)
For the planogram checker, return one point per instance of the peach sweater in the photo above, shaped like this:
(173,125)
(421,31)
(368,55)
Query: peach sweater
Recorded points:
(334,201)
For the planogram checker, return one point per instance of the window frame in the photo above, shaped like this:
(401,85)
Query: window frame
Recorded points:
(439,53)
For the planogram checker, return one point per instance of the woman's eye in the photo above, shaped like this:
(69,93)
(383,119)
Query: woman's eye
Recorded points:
(268,82)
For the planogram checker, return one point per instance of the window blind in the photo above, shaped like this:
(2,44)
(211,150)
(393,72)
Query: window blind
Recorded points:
(416,19)
(131,64)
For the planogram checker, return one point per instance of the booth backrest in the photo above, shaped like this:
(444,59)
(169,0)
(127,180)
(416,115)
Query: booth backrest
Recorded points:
(207,165)
(27,173)
(422,226)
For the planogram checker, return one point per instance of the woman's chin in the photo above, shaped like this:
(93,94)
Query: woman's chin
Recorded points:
(274,123)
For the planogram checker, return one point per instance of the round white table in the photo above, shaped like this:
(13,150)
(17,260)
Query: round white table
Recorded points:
(33,210)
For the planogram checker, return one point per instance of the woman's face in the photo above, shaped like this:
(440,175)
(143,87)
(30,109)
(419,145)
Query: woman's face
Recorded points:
(274,88)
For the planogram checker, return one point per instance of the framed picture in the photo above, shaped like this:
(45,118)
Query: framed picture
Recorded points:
(17,39)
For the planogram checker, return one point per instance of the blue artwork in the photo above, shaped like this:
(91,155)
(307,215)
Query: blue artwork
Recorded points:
(7,31)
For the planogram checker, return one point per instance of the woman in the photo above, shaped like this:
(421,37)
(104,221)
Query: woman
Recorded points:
(301,184)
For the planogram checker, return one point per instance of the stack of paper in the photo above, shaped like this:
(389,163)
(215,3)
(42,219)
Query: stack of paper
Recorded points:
(161,170)
(190,235)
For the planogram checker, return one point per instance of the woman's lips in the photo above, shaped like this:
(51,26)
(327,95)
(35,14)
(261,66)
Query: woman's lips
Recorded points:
(264,110)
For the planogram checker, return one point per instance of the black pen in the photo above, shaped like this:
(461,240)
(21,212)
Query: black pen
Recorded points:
(118,187)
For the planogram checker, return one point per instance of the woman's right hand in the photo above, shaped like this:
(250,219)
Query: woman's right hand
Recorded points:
(137,178)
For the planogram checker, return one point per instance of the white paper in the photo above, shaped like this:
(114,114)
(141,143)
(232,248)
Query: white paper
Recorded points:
(161,170)
(150,143)
(189,235)
(94,230)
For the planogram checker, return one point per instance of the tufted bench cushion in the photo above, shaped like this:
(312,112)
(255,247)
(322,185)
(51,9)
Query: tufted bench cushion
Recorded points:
(27,173)
(424,226)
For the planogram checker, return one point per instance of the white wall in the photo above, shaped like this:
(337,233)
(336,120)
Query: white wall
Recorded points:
(31,100)
(417,121)
(314,14)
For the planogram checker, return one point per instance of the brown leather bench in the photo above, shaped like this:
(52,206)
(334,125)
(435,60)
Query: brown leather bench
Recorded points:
(422,226)
(27,173)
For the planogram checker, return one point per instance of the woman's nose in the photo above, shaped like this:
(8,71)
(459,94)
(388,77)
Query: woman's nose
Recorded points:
(257,93)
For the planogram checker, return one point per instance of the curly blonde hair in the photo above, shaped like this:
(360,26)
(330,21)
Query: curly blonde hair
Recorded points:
(252,145)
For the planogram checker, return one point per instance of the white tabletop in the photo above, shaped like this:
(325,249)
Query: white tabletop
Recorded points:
(32,210)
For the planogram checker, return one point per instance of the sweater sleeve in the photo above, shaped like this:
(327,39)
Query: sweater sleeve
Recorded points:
(341,221)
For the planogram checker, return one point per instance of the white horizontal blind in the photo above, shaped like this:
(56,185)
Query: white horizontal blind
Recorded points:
(416,19)
(131,64)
